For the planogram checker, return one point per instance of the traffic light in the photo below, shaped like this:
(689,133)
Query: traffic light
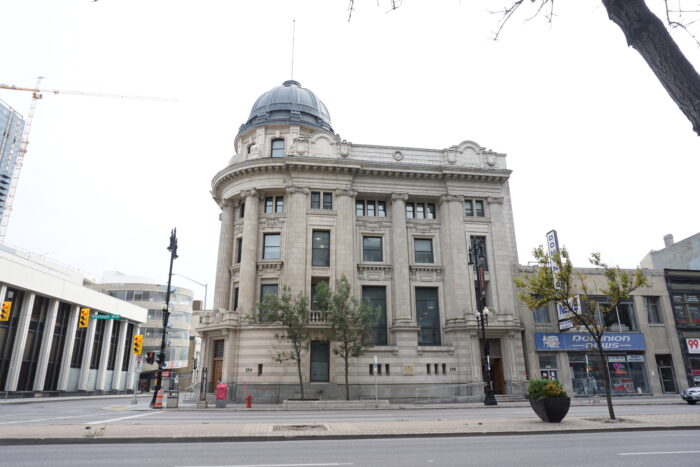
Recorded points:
(138,344)
(84,318)
(150,357)
(161,360)
(5,311)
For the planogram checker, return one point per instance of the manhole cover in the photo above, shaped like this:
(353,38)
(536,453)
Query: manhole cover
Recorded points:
(298,428)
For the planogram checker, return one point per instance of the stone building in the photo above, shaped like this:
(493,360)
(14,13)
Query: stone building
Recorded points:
(300,206)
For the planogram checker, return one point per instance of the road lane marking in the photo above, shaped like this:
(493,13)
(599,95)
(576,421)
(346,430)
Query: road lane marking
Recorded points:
(281,465)
(654,453)
(50,418)
(123,418)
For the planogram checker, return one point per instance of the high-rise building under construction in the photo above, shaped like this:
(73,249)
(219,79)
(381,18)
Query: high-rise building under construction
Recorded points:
(11,128)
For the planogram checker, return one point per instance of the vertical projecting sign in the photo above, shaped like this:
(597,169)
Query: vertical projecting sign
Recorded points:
(563,315)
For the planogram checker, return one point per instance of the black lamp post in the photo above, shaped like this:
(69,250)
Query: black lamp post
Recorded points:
(172,248)
(477,252)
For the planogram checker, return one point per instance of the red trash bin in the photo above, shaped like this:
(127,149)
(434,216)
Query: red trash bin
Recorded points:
(249,401)
(221,395)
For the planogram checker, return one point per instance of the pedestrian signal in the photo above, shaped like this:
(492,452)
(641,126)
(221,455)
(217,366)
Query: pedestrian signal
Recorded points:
(5,311)
(84,318)
(138,344)
(150,357)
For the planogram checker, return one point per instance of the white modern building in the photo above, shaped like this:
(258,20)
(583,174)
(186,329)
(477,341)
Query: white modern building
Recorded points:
(42,347)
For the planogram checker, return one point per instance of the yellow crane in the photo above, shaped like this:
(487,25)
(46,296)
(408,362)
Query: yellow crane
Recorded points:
(37,93)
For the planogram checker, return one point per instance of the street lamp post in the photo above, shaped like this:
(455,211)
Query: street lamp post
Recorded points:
(482,314)
(172,248)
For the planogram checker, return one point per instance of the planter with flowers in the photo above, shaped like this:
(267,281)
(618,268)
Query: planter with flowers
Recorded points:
(548,399)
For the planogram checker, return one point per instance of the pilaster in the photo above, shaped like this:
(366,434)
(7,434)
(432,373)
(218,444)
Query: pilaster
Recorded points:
(68,348)
(104,356)
(43,362)
(247,291)
(294,270)
(121,343)
(222,288)
(344,235)
(20,341)
(87,356)
(400,253)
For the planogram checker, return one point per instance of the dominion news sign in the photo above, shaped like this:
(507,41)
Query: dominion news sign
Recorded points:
(572,341)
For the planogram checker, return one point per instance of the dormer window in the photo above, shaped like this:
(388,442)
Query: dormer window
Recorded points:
(277,148)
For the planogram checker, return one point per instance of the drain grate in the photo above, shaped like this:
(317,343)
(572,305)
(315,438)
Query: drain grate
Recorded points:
(299,428)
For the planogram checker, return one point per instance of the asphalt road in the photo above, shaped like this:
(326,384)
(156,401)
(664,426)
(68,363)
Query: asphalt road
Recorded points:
(105,411)
(638,449)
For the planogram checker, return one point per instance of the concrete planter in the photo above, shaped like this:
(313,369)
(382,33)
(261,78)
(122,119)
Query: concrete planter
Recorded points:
(551,409)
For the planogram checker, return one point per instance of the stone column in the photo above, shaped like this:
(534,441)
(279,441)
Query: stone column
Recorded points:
(399,269)
(500,261)
(295,234)
(344,247)
(222,287)
(43,363)
(68,348)
(87,356)
(247,291)
(121,343)
(454,259)
(104,357)
(25,314)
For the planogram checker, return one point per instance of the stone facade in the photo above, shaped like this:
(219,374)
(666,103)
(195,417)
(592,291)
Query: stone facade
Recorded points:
(423,207)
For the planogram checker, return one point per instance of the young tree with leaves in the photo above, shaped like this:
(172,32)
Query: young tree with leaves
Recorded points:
(351,322)
(555,281)
(293,314)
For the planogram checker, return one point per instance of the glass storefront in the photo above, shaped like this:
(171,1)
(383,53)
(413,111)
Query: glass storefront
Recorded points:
(627,374)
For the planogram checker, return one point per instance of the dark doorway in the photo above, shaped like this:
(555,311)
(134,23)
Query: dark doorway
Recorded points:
(320,361)
(668,380)
(217,364)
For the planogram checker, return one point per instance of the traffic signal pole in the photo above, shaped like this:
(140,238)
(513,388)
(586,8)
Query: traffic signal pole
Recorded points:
(172,248)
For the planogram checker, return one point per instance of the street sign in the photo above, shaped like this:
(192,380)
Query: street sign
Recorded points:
(106,317)
(139,359)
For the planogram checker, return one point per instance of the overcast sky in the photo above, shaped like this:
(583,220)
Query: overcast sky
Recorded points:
(597,148)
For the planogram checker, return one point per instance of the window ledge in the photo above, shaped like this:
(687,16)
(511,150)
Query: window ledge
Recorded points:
(321,212)
(435,348)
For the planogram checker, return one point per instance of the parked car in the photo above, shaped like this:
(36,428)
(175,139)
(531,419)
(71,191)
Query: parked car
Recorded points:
(691,395)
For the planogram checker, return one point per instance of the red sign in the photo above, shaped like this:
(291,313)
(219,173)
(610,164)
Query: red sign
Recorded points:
(693,344)
(166,373)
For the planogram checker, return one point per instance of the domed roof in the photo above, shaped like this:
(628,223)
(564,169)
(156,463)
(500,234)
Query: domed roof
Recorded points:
(289,103)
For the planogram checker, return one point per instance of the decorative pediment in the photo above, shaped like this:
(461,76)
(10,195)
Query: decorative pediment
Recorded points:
(270,267)
(374,272)
(425,273)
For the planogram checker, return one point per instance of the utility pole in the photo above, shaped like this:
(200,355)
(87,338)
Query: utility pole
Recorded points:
(172,248)
(482,314)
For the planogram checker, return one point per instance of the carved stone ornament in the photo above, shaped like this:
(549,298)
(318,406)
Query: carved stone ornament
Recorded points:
(426,273)
(458,198)
(401,196)
(297,189)
(301,145)
(343,192)
(489,158)
(374,226)
(421,226)
(249,193)
(398,156)
(238,229)
(271,223)
(344,148)
(451,154)
(373,272)
(494,199)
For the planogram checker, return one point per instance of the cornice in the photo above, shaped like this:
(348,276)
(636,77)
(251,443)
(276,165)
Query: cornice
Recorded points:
(339,166)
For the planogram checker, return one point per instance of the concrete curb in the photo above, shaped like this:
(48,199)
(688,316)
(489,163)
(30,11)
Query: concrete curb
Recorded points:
(258,438)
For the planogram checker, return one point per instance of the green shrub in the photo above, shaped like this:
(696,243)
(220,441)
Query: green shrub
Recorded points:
(540,388)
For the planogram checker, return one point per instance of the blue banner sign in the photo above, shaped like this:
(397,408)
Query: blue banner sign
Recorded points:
(571,341)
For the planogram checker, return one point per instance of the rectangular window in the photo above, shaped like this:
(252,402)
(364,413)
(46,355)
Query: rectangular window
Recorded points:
(239,249)
(477,253)
(621,319)
(372,249)
(479,208)
(321,245)
(653,310)
(265,290)
(113,340)
(420,211)
(271,246)
(381,208)
(315,281)
(410,211)
(370,208)
(277,148)
(321,200)
(78,348)
(424,250)
(274,204)
(375,297)
(541,315)
(97,343)
(241,211)
(234,304)
(428,315)
(468,208)
(686,309)
(127,345)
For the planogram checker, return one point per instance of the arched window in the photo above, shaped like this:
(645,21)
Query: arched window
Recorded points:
(277,148)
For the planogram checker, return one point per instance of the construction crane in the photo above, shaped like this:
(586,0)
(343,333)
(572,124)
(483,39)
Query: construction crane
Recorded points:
(37,93)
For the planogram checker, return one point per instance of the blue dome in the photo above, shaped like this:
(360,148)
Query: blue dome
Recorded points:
(289,104)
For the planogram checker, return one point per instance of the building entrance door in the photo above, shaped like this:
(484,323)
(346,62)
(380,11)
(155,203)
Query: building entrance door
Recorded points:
(217,365)
(668,380)
(320,361)
(499,386)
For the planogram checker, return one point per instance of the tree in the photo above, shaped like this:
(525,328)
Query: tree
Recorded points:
(351,322)
(293,315)
(554,281)
(646,33)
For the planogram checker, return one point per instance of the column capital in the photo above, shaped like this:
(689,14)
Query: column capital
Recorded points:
(344,192)
(447,197)
(397,196)
(226,203)
(249,193)
(297,189)
(494,199)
